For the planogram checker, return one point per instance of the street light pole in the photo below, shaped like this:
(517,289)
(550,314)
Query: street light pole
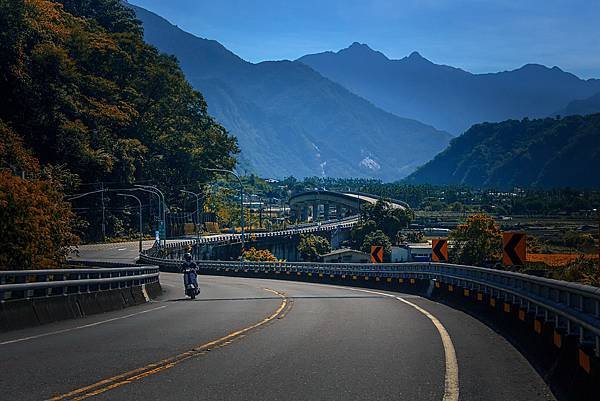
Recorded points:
(141,225)
(159,201)
(77,196)
(219,170)
(164,206)
(197,195)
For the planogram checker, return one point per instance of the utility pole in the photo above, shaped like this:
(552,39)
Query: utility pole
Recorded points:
(103,214)
(260,212)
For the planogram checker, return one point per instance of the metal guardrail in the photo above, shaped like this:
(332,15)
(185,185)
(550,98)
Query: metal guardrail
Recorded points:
(26,284)
(329,225)
(571,307)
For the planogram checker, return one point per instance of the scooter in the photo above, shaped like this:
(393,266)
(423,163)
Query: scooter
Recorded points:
(190,282)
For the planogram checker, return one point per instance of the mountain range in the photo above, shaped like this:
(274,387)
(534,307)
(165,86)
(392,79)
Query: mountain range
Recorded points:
(581,107)
(289,119)
(547,153)
(338,114)
(450,98)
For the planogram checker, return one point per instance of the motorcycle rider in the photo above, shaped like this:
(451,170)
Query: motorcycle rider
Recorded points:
(188,263)
(189,270)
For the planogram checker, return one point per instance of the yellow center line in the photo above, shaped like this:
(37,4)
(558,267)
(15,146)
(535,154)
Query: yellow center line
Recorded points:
(110,383)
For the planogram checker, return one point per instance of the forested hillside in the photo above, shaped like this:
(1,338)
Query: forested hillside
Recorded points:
(85,99)
(529,153)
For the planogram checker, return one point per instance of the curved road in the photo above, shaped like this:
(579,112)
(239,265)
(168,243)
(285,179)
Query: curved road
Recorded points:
(255,339)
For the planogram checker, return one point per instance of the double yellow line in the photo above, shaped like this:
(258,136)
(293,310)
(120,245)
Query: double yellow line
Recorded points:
(133,375)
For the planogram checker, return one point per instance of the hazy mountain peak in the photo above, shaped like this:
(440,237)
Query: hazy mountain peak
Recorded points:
(289,119)
(357,49)
(415,56)
(447,97)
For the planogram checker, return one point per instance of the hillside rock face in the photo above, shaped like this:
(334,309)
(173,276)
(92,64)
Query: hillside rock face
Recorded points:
(289,119)
(544,153)
(450,98)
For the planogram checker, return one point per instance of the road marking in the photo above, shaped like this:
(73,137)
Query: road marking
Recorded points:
(451,389)
(168,363)
(122,249)
(85,326)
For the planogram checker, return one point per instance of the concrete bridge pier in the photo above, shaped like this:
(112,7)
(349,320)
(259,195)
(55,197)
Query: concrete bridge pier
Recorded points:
(315,211)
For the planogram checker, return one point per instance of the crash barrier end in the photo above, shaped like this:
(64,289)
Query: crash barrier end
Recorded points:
(36,297)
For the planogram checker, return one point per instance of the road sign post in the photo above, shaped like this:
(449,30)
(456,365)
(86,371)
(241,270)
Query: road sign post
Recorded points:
(514,249)
(161,229)
(376,254)
(439,251)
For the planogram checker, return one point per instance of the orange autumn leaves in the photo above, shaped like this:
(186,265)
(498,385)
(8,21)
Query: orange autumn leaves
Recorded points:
(35,224)
(557,259)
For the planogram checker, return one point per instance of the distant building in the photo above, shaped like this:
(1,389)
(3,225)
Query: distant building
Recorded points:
(411,253)
(436,232)
(346,256)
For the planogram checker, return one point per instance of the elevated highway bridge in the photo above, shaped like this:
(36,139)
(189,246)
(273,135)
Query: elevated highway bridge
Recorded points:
(323,205)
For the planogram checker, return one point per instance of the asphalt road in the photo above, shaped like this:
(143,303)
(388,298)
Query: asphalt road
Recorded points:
(126,252)
(254,339)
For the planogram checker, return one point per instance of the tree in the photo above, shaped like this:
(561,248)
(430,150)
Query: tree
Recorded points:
(82,90)
(415,236)
(387,218)
(258,255)
(477,241)
(311,247)
(37,225)
(378,238)
(360,231)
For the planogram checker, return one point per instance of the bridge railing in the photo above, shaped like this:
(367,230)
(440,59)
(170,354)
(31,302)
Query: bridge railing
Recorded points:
(571,308)
(329,225)
(27,284)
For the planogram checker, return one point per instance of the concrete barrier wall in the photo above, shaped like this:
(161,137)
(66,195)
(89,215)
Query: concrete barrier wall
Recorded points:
(24,313)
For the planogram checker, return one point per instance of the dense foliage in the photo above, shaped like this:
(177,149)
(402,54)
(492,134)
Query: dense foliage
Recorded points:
(311,247)
(258,255)
(380,216)
(476,242)
(543,153)
(378,238)
(38,227)
(94,103)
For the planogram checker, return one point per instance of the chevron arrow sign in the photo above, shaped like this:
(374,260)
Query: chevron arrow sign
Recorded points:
(514,247)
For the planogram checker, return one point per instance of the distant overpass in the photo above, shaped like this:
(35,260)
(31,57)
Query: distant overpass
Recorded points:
(324,205)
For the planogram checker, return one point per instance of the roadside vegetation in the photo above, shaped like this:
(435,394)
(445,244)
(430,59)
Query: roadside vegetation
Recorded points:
(258,255)
(311,247)
(86,102)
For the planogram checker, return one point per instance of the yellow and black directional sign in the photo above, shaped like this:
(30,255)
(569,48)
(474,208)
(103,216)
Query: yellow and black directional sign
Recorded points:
(439,252)
(376,254)
(514,249)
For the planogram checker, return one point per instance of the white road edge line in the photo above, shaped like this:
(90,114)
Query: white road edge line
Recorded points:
(451,389)
(18,340)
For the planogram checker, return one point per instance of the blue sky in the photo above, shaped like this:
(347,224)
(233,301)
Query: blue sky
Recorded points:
(477,35)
